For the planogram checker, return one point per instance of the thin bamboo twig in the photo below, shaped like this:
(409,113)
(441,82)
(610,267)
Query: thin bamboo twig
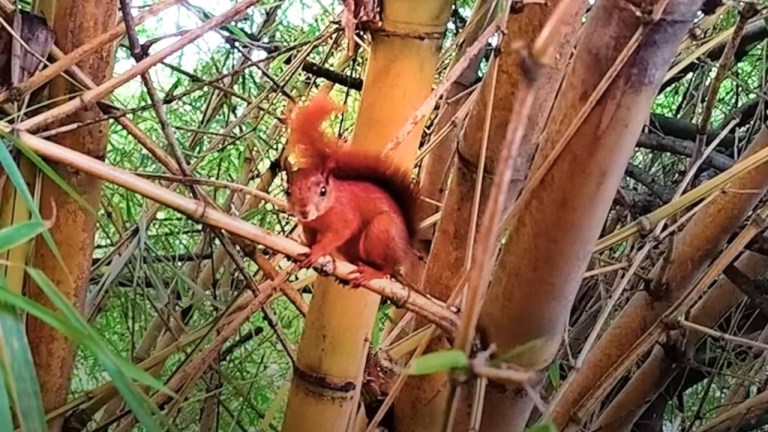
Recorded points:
(156,359)
(157,103)
(452,76)
(98,93)
(748,10)
(722,336)
(235,187)
(69,60)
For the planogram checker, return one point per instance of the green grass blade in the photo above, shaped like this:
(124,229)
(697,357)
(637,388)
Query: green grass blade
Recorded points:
(438,361)
(6,420)
(54,176)
(20,233)
(9,165)
(21,378)
(135,399)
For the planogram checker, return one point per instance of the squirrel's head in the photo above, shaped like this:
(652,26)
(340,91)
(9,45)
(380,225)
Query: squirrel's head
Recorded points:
(310,193)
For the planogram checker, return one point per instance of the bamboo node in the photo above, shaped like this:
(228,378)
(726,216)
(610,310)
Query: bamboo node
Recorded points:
(324,381)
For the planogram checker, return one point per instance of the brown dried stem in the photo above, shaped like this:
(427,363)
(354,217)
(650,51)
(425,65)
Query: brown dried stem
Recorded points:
(747,12)
(96,94)
(67,61)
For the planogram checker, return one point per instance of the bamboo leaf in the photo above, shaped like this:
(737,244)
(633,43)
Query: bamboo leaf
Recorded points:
(6,420)
(544,426)
(20,233)
(438,361)
(514,355)
(54,176)
(9,165)
(554,374)
(22,376)
(133,397)
(20,371)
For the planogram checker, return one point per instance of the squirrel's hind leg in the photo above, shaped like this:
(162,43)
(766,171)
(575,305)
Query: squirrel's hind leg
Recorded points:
(365,274)
(380,249)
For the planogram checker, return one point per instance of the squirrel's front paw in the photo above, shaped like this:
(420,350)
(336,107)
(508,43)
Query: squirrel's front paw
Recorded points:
(325,261)
(327,266)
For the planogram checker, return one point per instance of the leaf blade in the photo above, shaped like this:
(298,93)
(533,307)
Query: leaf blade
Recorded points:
(438,361)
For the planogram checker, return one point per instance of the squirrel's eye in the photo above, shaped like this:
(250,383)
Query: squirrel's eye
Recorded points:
(323,191)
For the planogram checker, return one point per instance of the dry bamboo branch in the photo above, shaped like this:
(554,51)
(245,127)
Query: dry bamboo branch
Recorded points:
(431,309)
(234,187)
(748,11)
(681,306)
(722,336)
(743,414)
(98,93)
(78,54)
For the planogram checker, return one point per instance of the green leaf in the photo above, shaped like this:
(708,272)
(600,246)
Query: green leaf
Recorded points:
(542,426)
(514,355)
(20,233)
(6,420)
(438,361)
(554,374)
(133,397)
(9,165)
(75,328)
(22,376)
(54,176)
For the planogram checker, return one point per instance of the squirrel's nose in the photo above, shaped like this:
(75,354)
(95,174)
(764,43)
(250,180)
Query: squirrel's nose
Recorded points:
(304,214)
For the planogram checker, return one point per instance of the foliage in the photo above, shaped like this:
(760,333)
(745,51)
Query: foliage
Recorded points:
(150,268)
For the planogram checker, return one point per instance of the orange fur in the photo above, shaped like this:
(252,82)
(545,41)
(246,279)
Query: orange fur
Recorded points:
(349,202)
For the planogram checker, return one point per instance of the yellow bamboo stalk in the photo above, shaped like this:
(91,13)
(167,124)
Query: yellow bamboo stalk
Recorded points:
(404,55)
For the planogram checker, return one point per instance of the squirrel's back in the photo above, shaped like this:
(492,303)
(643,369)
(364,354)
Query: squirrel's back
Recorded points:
(393,180)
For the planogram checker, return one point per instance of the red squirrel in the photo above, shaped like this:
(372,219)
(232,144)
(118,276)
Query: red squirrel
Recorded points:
(349,202)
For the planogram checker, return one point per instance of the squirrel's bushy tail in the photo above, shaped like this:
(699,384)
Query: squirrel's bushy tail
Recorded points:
(306,125)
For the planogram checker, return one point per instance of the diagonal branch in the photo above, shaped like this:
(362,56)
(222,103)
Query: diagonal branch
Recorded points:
(98,93)
(427,307)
